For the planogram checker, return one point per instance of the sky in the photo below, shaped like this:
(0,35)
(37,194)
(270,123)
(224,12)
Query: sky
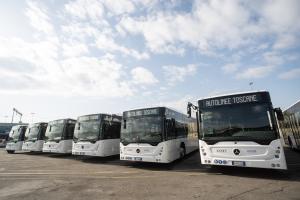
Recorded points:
(61,59)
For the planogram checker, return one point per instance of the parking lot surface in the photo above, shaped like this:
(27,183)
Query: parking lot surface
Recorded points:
(30,176)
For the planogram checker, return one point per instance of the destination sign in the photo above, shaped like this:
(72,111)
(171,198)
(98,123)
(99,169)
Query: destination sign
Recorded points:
(89,117)
(134,113)
(112,118)
(235,99)
(61,121)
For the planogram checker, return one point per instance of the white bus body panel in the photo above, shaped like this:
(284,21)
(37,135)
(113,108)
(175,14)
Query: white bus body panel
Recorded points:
(251,154)
(164,152)
(100,148)
(14,146)
(63,146)
(33,146)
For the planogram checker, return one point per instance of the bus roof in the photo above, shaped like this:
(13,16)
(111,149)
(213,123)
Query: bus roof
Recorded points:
(231,94)
(155,107)
(37,124)
(57,120)
(295,106)
(91,116)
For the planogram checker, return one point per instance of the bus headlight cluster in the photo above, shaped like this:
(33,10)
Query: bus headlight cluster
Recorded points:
(221,162)
(161,150)
(203,152)
(275,165)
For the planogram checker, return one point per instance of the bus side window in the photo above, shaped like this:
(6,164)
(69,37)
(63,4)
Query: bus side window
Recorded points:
(111,130)
(170,129)
(70,131)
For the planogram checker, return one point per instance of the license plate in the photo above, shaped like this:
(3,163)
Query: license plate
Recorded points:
(138,159)
(239,163)
(79,153)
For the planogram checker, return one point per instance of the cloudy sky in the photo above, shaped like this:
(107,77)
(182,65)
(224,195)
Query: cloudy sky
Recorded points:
(68,58)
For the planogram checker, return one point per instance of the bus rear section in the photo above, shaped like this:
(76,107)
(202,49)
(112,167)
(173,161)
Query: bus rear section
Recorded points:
(240,130)
(16,138)
(157,134)
(59,136)
(97,135)
(290,126)
(35,137)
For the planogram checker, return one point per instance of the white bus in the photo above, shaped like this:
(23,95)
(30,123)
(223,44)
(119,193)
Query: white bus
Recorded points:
(240,130)
(34,137)
(157,134)
(59,136)
(290,127)
(97,135)
(16,138)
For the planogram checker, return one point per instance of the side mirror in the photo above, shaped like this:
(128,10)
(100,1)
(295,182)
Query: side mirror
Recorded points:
(189,110)
(279,114)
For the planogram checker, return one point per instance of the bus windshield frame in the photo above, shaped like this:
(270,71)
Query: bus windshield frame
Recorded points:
(32,133)
(55,131)
(142,129)
(14,134)
(240,122)
(88,130)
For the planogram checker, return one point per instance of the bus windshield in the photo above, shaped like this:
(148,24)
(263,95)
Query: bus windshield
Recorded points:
(54,132)
(146,129)
(87,131)
(32,133)
(14,134)
(250,122)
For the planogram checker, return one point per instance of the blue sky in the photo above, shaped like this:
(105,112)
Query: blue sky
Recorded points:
(69,58)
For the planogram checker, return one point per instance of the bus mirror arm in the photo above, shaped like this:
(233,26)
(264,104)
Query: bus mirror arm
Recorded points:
(189,109)
(279,114)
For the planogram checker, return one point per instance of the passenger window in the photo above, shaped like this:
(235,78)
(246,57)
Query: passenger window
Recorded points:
(111,130)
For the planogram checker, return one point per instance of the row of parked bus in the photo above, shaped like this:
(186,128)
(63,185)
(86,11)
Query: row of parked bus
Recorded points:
(230,130)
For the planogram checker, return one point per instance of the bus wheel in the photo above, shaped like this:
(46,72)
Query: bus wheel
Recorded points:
(10,151)
(182,151)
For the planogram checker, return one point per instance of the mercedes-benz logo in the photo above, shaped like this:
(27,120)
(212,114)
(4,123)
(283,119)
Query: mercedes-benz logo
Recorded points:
(236,151)
(138,150)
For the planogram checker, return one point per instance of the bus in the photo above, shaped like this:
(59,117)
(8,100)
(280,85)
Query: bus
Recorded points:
(97,135)
(157,134)
(35,137)
(16,138)
(59,136)
(240,130)
(290,127)
(4,132)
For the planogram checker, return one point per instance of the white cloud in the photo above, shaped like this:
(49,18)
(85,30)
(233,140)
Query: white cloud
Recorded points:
(255,72)
(216,24)
(85,9)
(143,76)
(38,17)
(72,49)
(95,77)
(107,43)
(119,7)
(291,74)
(174,74)
(230,68)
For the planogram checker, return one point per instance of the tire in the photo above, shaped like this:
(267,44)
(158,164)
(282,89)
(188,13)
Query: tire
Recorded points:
(182,151)
(10,151)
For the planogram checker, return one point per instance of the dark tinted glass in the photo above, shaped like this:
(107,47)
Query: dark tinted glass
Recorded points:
(245,122)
